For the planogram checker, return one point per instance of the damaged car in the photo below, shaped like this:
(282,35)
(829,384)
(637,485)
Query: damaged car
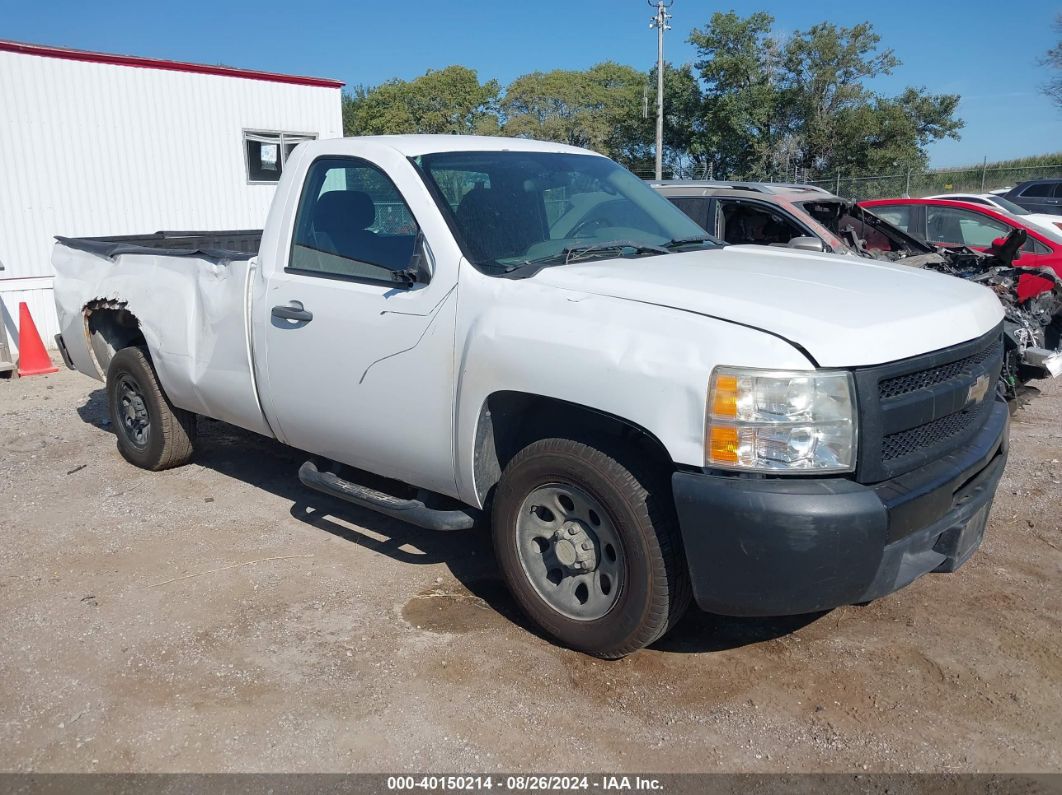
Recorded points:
(809,218)
(459,329)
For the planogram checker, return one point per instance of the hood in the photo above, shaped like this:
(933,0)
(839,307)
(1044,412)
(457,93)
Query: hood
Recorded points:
(845,312)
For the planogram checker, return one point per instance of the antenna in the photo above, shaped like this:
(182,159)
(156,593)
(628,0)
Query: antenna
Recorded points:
(659,20)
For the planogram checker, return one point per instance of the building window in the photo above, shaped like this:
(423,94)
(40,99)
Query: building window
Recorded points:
(266,153)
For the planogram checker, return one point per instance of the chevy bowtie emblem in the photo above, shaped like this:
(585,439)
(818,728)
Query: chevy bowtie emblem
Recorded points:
(978,389)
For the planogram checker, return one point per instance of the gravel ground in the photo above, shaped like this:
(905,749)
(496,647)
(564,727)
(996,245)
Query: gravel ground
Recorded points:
(220,617)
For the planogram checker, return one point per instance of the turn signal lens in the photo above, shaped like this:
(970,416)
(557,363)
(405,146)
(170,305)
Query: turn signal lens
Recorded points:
(723,444)
(725,396)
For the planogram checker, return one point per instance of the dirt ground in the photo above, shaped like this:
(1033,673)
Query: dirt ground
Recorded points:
(220,617)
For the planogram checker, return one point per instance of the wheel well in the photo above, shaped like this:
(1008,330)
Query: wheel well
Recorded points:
(110,327)
(509,421)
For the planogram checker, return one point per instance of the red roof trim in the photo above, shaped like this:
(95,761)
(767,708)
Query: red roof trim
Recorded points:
(156,63)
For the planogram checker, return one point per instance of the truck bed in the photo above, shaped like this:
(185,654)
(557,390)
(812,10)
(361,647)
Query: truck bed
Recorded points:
(222,244)
(188,293)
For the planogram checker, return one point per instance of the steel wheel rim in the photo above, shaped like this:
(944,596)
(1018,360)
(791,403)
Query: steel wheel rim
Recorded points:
(570,551)
(131,413)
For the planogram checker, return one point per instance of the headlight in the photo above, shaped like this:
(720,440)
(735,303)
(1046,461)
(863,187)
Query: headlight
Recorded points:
(780,421)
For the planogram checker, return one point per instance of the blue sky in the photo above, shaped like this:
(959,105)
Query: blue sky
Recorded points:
(984,50)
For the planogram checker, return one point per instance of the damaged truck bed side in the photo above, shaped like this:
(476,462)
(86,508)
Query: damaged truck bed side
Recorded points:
(453,326)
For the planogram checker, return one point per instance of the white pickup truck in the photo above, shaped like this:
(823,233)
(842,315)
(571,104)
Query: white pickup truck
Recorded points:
(456,326)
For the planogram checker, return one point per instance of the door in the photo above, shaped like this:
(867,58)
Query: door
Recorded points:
(358,362)
(743,221)
(1042,197)
(952,226)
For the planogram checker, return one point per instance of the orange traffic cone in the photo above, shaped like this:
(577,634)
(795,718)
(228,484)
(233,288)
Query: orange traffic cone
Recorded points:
(32,358)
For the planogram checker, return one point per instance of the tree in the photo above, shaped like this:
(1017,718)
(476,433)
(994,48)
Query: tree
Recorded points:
(597,108)
(738,62)
(1053,60)
(450,100)
(804,106)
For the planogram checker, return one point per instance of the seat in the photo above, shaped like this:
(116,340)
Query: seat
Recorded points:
(495,225)
(341,221)
(943,227)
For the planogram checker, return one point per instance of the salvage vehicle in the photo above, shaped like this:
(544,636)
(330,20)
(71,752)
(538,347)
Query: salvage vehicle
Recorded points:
(786,215)
(795,216)
(949,223)
(457,328)
(1028,282)
(759,213)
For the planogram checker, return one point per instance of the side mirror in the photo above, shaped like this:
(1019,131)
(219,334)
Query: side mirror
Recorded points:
(421,264)
(806,244)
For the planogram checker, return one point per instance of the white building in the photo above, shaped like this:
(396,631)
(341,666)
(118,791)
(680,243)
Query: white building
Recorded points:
(97,144)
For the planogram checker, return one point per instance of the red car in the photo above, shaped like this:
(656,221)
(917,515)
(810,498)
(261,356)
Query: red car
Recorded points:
(944,222)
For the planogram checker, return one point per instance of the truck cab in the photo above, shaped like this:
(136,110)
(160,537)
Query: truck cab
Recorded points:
(459,329)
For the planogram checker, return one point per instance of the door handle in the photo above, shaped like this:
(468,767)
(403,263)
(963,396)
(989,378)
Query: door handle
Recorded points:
(293,311)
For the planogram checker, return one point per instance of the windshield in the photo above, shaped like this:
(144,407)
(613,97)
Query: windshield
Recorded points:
(1009,206)
(511,209)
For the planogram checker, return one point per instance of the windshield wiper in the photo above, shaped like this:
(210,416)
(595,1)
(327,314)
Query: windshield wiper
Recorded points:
(577,253)
(686,241)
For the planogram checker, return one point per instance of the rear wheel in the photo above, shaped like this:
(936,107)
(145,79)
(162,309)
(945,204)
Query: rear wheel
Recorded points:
(152,432)
(589,547)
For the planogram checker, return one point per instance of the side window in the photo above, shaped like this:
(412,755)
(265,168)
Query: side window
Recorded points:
(1034,246)
(897,215)
(746,222)
(955,226)
(1037,189)
(352,222)
(696,207)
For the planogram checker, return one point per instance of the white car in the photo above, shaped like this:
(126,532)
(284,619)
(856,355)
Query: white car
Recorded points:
(454,327)
(1042,221)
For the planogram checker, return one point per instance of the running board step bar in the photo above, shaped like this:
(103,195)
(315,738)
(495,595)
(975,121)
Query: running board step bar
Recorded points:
(412,511)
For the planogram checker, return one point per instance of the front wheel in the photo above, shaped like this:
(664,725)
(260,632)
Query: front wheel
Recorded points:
(589,547)
(152,432)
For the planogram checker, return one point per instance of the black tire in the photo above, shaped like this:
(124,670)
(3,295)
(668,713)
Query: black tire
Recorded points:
(152,433)
(654,591)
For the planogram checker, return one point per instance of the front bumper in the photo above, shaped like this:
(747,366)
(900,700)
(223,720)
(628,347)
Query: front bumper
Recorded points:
(783,546)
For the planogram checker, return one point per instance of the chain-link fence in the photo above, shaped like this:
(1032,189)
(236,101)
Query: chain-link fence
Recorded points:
(974,179)
(927,183)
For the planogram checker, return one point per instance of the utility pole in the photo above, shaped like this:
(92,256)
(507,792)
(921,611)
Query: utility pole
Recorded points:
(659,21)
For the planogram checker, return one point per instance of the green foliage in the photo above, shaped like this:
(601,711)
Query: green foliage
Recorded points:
(597,109)
(738,62)
(803,104)
(450,100)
